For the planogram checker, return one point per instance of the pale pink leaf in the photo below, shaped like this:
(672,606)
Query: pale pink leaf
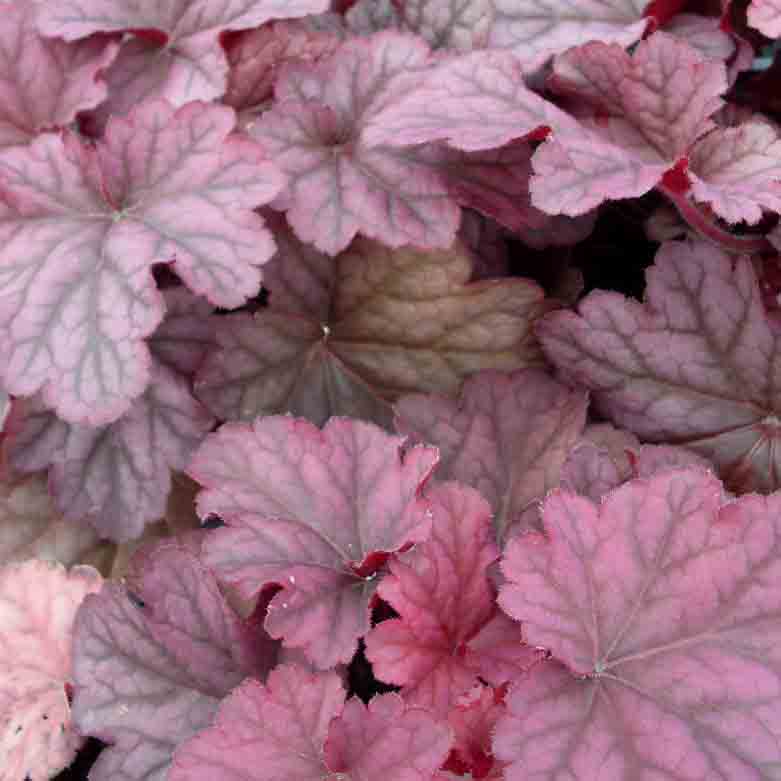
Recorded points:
(443,596)
(765,15)
(274,732)
(30,527)
(696,365)
(507,436)
(115,477)
(737,171)
(337,337)
(475,101)
(177,54)
(462,25)
(703,33)
(81,226)
(150,674)
(663,603)
(365,17)
(38,602)
(536,29)
(386,740)
(313,511)
(340,185)
(44,83)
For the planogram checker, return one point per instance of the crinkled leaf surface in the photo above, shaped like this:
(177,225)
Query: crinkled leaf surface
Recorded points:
(658,102)
(148,678)
(765,15)
(507,436)
(274,732)
(38,602)
(80,228)
(737,171)
(453,24)
(337,332)
(313,511)
(178,56)
(443,596)
(340,184)
(45,82)
(474,102)
(695,365)
(704,33)
(116,477)
(663,603)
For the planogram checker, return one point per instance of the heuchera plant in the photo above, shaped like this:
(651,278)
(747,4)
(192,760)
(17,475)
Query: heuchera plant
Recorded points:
(390,390)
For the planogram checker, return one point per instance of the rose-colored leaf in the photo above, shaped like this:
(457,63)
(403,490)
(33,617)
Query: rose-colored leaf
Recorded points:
(704,33)
(737,170)
(386,740)
(340,185)
(313,511)
(507,436)
(663,603)
(765,15)
(81,226)
(30,528)
(658,102)
(274,732)
(149,677)
(476,101)
(44,83)
(536,29)
(116,477)
(38,602)
(179,57)
(337,332)
(443,596)
(695,365)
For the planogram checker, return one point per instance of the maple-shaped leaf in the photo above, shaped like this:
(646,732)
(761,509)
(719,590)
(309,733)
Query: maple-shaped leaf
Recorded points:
(175,51)
(337,333)
(38,602)
(695,365)
(737,171)
(765,15)
(274,732)
(44,83)
(316,512)
(151,666)
(116,477)
(651,107)
(340,185)
(443,596)
(507,436)
(536,29)
(661,609)
(298,728)
(81,226)
(476,101)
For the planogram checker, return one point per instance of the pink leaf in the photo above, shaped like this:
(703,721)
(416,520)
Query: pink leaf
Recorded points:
(148,678)
(693,366)
(45,83)
(335,339)
(451,24)
(80,228)
(177,53)
(662,602)
(703,33)
(737,170)
(536,29)
(507,437)
(116,477)
(274,732)
(443,595)
(658,102)
(313,511)
(340,185)
(38,602)
(476,101)
(386,740)
(765,15)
